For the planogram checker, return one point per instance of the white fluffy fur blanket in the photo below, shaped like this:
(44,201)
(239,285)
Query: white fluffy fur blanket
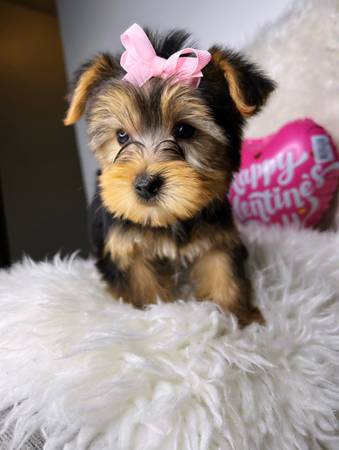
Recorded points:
(90,372)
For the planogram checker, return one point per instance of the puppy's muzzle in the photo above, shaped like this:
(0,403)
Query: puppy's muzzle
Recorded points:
(148,186)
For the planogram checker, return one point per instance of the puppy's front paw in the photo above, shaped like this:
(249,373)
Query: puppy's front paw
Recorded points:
(247,315)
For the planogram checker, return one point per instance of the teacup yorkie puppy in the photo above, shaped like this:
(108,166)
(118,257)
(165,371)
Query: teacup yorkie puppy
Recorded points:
(165,125)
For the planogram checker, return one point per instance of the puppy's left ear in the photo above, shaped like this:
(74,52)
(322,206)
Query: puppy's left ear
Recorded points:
(90,75)
(248,86)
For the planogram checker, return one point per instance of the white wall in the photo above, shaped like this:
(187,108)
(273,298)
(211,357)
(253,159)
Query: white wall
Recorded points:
(89,26)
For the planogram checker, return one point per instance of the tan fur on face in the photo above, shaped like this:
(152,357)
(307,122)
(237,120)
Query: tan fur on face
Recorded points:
(122,106)
(113,109)
(180,104)
(184,193)
(233,83)
(189,185)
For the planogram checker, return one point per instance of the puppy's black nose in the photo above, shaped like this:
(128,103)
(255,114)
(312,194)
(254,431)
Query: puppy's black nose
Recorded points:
(148,186)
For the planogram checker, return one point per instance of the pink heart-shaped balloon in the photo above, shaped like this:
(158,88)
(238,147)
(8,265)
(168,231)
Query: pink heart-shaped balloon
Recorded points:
(287,177)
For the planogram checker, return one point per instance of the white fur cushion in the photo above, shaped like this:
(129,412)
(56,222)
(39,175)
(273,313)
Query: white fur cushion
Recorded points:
(300,52)
(93,373)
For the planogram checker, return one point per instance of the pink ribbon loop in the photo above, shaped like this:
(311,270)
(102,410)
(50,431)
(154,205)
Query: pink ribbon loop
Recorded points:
(142,63)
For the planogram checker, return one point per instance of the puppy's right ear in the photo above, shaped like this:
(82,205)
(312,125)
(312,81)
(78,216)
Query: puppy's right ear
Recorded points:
(102,67)
(247,85)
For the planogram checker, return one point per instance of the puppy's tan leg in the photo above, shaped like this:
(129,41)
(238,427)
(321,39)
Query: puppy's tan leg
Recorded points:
(217,276)
(145,285)
(130,273)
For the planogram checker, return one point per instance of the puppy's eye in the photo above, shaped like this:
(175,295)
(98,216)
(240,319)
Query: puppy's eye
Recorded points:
(184,131)
(122,136)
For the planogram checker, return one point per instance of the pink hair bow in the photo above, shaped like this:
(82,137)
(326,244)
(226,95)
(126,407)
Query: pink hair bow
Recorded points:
(142,63)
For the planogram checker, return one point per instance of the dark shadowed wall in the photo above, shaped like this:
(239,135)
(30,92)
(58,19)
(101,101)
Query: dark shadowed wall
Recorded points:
(42,190)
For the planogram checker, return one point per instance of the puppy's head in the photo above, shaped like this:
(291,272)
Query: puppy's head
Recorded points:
(166,150)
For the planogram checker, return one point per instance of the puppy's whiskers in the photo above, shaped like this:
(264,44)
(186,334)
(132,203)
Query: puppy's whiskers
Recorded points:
(173,147)
(137,143)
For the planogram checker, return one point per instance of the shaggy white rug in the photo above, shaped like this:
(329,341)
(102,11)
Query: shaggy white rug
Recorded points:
(91,373)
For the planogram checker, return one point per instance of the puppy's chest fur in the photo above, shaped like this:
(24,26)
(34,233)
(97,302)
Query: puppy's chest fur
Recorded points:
(202,256)
(179,244)
(167,250)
